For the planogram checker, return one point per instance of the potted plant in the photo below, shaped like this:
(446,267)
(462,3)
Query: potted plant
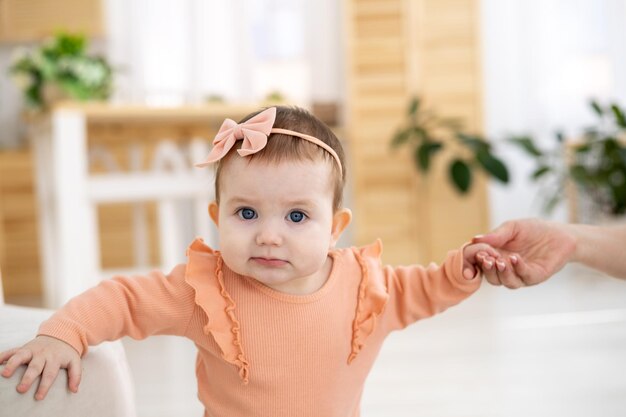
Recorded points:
(427,135)
(595,164)
(60,68)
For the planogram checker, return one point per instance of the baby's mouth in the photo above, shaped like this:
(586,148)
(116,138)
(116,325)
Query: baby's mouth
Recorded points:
(270,262)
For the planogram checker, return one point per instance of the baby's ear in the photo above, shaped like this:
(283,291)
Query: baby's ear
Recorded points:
(341,220)
(214,212)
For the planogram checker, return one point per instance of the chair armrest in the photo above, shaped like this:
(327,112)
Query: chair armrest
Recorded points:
(105,388)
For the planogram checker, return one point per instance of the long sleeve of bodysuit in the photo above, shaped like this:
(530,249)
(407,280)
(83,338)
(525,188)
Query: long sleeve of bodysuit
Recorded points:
(137,306)
(417,292)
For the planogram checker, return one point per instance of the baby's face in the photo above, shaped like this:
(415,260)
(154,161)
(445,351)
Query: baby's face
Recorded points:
(275,222)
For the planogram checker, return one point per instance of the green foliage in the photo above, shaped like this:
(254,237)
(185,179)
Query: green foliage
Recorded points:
(61,63)
(427,135)
(461,175)
(275,96)
(214,98)
(596,164)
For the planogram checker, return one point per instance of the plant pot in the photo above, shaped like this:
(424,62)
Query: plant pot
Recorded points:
(52,94)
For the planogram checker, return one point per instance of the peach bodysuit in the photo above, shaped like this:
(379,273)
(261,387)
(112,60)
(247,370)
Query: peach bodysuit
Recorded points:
(263,352)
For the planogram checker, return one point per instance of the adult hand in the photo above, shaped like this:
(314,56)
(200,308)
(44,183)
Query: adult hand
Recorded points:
(537,250)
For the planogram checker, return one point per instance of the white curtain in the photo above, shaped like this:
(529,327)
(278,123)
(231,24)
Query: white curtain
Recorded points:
(175,51)
(542,61)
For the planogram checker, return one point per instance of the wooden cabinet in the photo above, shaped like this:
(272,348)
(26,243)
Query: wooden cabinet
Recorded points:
(396,49)
(32,20)
(19,237)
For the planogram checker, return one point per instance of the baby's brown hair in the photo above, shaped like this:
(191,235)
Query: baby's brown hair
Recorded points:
(283,147)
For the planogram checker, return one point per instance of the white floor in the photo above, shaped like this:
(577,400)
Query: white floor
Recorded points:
(558,349)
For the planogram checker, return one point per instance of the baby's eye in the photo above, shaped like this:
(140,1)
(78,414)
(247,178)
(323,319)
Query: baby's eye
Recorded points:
(296,216)
(247,213)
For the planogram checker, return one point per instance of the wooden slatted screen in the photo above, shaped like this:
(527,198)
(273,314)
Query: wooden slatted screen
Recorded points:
(398,48)
(33,20)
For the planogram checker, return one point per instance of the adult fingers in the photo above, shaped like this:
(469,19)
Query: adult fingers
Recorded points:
(48,376)
(32,372)
(523,270)
(498,237)
(74,372)
(507,275)
(489,271)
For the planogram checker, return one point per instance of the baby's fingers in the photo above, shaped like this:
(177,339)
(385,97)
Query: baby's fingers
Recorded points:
(4,356)
(18,357)
(50,373)
(74,371)
(489,251)
(489,269)
(32,372)
(469,272)
(481,256)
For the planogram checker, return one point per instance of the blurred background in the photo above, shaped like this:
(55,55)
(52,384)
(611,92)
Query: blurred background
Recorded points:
(456,116)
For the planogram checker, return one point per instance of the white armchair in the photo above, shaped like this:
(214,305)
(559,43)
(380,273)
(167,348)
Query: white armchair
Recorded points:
(105,389)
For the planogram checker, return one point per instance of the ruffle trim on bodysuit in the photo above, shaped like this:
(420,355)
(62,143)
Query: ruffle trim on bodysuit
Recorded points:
(372,296)
(204,275)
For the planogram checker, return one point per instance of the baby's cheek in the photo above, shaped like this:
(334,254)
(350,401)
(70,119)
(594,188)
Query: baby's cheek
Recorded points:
(318,254)
(233,256)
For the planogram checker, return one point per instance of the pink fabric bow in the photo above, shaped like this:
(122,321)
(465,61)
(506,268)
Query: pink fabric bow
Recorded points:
(254,133)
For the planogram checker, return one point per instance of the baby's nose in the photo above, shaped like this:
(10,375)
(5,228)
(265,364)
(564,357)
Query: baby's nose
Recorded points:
(268,235)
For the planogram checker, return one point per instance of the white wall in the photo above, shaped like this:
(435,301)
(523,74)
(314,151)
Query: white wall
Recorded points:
(542,61)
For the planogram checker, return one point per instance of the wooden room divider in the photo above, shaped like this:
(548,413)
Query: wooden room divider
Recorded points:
(397,49)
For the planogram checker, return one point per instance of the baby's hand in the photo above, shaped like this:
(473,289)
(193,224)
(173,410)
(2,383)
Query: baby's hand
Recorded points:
(45,356)
(476,257)
(504,269)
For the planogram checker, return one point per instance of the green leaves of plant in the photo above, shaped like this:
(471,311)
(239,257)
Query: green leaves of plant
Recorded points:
(63,63)
(598,164)
(461,175)
(620,119)
(493,166)
(68,44)
(485,158)
(413,106)
(596,108)
(475,143)
(600,167)
(424,152)
(428,134)
(618,192)
(540,172)
(580,174)
(400,137)
(526,144)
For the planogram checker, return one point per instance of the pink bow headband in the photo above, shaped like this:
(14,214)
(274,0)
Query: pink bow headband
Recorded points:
(254,133)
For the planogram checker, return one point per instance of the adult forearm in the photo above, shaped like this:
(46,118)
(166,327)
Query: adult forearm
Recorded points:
(601,247)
